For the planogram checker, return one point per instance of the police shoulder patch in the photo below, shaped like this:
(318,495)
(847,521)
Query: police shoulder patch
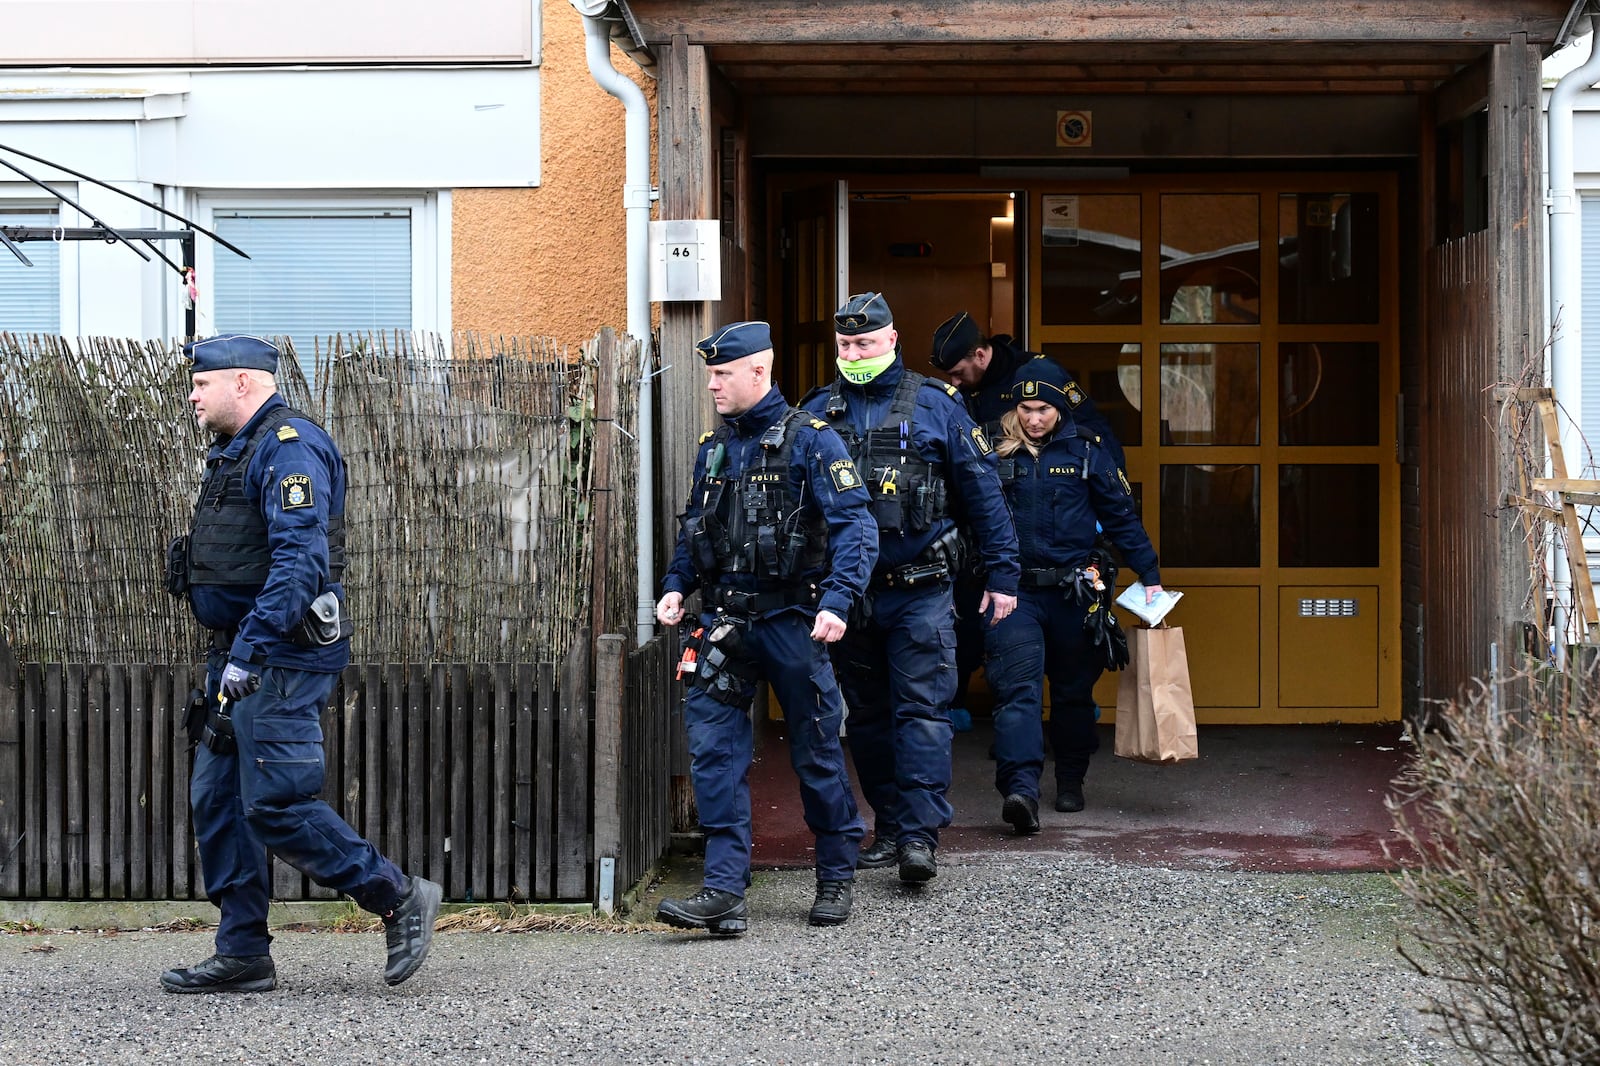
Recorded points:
(288,433)
(817,423)
(1074,394)
(295,491)
(981,440)
(843,473)
(950,389)
(1124,479)
(707,435)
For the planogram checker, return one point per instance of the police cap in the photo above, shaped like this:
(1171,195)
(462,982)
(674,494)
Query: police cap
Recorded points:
(862,313)
(1042,379)
(232,351)
(954,340)
(735,341)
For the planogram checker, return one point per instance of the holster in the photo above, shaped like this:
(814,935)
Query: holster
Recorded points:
(725,671)
(323,624)
(218,732)
(194,716)
(176,577)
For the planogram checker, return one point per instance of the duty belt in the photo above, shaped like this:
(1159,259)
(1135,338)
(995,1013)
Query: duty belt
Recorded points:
(738,601)
(1050,578)
(914,575)
(222,639)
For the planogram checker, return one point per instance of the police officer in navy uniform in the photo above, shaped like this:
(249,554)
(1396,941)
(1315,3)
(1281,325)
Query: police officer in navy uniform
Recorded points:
(778,538)
(1060,480)
(983,368)
(924,461)
(261,567)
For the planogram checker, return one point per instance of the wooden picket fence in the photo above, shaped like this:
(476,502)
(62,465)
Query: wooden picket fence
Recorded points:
(478,777)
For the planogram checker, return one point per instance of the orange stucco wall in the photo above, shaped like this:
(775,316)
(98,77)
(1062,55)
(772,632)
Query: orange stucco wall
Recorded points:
(550,261)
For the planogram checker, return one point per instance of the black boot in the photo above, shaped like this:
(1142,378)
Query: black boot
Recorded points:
(884,852)
(408,929)
(1069,798)
(718,912)
(1022,812)
(224,973)
(833,903)
(916,862)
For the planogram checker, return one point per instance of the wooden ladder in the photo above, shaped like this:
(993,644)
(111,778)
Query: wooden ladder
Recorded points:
(1570,492)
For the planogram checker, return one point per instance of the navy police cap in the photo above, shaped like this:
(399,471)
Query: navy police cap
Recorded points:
(863,313)
(735,341)
(232,351)
(1042,379)
(954,340)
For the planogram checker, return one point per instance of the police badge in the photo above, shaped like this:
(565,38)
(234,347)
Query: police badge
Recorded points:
(295,491)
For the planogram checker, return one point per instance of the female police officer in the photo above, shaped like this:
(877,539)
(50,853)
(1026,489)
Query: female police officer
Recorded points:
(1059,480)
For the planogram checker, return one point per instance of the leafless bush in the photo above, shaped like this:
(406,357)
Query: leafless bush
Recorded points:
(1504,810)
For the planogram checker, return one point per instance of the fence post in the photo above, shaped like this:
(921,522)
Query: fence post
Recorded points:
(605,434)
(610,662)
(10,774)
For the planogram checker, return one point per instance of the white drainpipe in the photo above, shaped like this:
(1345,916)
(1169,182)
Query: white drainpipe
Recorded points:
(1566,300)
(636,196)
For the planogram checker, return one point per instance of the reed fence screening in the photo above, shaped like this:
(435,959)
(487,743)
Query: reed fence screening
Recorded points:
(477,736)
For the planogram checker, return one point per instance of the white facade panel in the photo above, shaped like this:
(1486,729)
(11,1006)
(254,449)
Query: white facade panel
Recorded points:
(361,128)
(128,32)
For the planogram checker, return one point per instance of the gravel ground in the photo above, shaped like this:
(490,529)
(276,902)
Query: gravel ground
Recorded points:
(1000,960)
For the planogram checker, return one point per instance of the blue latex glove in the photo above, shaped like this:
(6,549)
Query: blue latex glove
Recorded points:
(238,682)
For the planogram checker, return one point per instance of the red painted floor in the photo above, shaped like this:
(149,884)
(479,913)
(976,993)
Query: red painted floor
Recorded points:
(1260,798)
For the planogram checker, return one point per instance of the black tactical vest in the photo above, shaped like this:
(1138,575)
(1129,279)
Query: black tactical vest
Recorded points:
(228,541)
(908,492)
(755,524)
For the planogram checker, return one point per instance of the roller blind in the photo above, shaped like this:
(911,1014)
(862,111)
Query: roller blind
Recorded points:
(30,297)
(312,273)
(1591,324)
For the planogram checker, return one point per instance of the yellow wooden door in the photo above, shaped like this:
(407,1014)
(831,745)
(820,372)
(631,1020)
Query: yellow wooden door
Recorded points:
(1241,335)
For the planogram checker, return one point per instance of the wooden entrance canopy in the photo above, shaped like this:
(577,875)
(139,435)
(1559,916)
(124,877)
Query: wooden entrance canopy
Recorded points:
(1096,46)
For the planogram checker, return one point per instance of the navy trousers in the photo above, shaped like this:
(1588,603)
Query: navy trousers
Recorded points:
(722,744)
(898,673)
(1043,637)
(265,796)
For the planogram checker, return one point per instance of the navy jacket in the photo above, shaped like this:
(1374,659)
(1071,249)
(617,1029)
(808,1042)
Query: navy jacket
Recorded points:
(1055,504)
(816,477)
(298,538)
(944,435)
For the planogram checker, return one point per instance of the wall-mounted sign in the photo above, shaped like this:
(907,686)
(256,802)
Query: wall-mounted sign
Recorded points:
(686,259)
(1074,129)
(1058,225)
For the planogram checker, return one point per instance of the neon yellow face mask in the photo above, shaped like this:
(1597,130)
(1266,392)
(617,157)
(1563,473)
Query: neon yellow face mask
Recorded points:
(862,371)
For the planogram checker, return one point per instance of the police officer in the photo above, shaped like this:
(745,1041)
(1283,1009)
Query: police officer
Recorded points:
(924,461)
(261,567)
(1060,480)
(983,368)
(778,538)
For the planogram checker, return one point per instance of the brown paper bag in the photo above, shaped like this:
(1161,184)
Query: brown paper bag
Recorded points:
(1155,707)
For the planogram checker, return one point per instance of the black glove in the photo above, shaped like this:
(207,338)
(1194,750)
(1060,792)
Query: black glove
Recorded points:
(1106,636)
(238,682)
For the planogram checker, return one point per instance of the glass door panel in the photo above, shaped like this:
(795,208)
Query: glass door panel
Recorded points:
(1210,258)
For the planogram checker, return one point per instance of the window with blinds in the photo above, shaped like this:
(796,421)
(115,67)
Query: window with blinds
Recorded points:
(1590,210)
(1589,419)
(30,297)
(313,273)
